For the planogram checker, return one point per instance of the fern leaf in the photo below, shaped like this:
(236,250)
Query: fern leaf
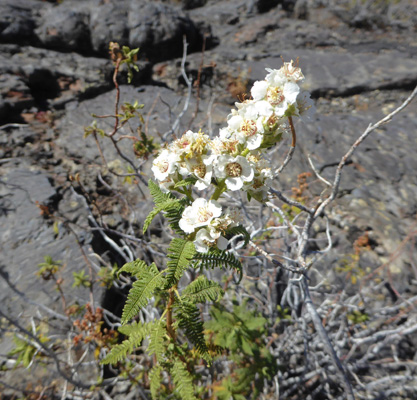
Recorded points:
(187,181)
(183,381)
(141,291)
(136,332)
(217,259)
(239,230)
(188,316)
(174,214)
(133,268)
(157,194)
(157,339)
(163,206)
(155,380)
(180,254)
(202,290)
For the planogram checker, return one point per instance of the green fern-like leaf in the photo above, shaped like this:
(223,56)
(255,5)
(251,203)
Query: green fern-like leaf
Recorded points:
(133,268)
(157,194)
(217,259)
(165,206)
(188,316)
(155,380)
(174,214)
(239,230)
(141,291)
(168,203)
(136,333)
(157,339)
(180,254)
(187,181)
(183,381)
(202,290)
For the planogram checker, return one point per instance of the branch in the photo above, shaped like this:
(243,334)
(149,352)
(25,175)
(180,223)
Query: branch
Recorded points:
(355,145)
(326,341)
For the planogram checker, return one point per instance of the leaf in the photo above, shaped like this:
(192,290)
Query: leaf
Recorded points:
(188,316)
(239,230)
(155,379)
(133,268)
(157,338)
(165,206)
(164,202)
(202,290)
(141,291)
(183,381)
(217,259)
(136,332)
(180,254)
(191,180)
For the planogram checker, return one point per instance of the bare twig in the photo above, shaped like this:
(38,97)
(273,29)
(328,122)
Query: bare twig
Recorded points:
(355,145)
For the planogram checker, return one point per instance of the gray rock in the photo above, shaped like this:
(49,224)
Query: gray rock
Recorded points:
(17,20)
(337,74)
(158,29)
(66,27)
(108,23)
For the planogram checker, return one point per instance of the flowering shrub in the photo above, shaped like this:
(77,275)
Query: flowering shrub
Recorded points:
(196,165)
(234,160)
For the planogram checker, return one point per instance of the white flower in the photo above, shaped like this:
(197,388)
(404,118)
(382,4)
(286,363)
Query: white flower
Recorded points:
(251,133)
(305,105)
(166,184)
(165,164)
(233,121)
(292,72)
(200,213)
(207,238)
(291,91)
(275,77)
(236,170)
(191,143)
(259,89)
(203,170)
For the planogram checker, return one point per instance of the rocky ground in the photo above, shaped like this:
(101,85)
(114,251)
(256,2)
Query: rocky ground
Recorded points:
(360,62)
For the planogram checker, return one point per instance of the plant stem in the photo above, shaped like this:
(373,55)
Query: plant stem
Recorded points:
(221,187)
(170,329)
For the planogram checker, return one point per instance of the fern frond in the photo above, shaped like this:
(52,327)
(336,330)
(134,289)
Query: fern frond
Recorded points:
(136,332)
(183,381)
(202,290)
(180,254)
(133,268)
(173,215)
(164,206)
(217,259)
(188,317)
(238,230)
(185,182)
(155,380)
(157,194)
(157,339)
(141,291)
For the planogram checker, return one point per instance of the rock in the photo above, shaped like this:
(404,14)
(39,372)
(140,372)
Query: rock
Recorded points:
(190,4)
(158,30)
(16,97)
(108,23)
(263,6)
(54,78)
(336,74)
(65,27)
(17,20)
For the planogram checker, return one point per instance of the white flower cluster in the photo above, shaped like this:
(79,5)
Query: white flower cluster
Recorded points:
(233,160)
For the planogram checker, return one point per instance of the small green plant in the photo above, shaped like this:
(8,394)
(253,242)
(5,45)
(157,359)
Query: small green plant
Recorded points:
(81,279)
(240,334)
(48,268)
